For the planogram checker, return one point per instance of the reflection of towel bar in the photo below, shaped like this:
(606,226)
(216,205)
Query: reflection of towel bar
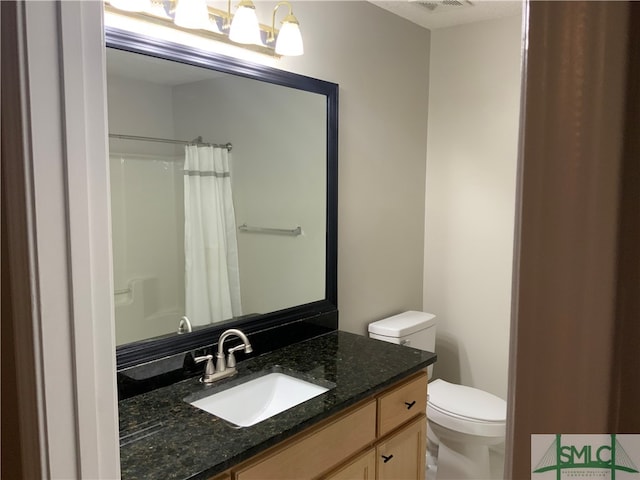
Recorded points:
(279,231)
(122,292)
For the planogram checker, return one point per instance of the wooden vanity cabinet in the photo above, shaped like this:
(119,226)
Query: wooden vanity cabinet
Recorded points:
(399,456)
(381,438)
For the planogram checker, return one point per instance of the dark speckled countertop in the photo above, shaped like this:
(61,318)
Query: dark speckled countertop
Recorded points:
(163,437)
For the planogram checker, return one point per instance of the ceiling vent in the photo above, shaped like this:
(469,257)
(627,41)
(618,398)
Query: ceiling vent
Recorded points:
(438,6)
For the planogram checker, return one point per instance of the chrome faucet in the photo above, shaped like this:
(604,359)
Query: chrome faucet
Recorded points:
(221,364)
(184,326)
(224,367)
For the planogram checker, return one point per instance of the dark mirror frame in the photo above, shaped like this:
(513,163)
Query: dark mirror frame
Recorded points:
(323,312)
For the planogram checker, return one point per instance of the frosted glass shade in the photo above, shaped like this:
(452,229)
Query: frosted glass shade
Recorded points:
(131,5)
(289,40)
(244,26)
(192,14)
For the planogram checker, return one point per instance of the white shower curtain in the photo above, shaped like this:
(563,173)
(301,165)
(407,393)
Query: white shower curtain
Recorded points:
(212,279)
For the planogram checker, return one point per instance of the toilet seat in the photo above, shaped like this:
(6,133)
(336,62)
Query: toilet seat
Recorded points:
(466,410)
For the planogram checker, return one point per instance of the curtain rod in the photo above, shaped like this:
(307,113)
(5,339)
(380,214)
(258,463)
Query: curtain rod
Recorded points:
(196,141)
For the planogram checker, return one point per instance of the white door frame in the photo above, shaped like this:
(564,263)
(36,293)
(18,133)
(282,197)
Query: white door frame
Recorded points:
(69,343)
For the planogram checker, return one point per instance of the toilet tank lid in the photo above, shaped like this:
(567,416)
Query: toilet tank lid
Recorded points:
(403,324)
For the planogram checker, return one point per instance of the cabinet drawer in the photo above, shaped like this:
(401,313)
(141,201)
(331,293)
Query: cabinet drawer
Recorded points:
(402,456)
(313,454)
(401,404)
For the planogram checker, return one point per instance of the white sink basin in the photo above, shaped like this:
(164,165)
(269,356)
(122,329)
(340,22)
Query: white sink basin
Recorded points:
(256,400)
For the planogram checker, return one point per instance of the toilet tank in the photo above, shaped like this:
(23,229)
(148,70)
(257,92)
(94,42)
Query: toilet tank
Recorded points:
(412,328)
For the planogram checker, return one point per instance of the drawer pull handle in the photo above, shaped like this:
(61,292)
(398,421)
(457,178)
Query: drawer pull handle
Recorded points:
(386,459)
(409,405)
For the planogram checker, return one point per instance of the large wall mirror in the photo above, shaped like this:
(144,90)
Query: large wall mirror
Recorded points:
(223,196)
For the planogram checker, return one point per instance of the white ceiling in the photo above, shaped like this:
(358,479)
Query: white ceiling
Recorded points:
(445,13)
(155,70)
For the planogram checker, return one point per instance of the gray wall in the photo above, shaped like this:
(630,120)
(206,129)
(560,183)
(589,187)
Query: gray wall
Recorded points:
(472,154)
(383,74)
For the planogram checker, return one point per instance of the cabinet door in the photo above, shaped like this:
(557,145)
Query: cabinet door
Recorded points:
(362,468)
(317,452)
(402,456)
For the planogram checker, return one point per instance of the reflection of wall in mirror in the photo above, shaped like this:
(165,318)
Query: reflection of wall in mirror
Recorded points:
(279,180)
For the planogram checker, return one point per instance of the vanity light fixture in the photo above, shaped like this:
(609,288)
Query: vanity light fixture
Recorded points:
(242,27)
(289,40)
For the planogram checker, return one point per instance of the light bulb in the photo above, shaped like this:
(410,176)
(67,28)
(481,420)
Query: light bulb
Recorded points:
(289,42)
(192,14)
(244,26)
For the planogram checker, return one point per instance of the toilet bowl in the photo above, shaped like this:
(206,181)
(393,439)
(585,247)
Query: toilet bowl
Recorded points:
(463,423)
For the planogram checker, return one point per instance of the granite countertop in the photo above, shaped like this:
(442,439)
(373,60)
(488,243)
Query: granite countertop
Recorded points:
(162,436)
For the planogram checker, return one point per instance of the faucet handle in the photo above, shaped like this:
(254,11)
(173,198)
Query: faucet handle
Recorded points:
(231,360)
(203,358)
(209,369)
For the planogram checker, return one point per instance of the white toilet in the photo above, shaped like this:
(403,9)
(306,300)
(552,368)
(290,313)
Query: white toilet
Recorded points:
(463,423)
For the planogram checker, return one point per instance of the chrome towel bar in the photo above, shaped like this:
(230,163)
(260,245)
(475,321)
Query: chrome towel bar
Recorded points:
(277,231)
